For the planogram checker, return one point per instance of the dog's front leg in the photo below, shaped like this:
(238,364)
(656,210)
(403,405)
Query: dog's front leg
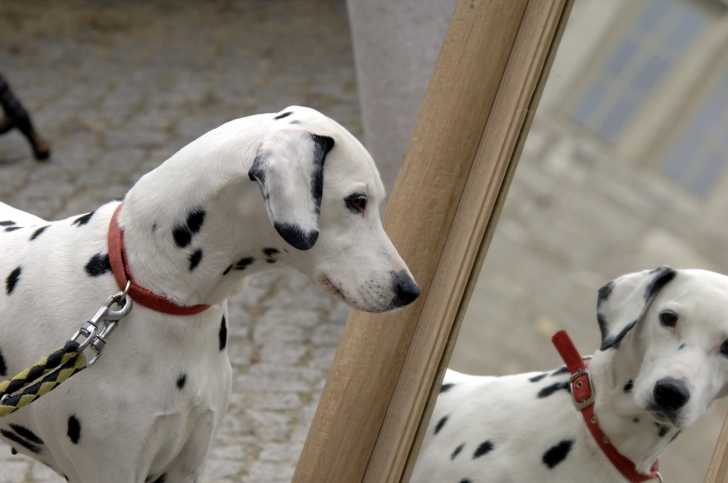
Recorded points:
(188,465)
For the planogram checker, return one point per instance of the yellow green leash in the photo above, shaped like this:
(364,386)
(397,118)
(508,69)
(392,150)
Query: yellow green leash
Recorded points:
(51,371)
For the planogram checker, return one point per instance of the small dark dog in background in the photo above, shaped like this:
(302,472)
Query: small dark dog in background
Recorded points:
(17,117)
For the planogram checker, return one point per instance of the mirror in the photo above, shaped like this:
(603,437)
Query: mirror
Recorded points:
(623,169)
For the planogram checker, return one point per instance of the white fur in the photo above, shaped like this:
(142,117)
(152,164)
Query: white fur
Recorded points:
(522,427)
(135,423)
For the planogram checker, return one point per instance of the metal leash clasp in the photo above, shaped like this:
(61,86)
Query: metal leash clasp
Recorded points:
(94,331)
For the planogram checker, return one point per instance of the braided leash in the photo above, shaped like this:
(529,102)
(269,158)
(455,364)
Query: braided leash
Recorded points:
(51,371)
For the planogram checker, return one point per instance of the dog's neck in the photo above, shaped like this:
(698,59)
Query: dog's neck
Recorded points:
(196,226)
(631,429)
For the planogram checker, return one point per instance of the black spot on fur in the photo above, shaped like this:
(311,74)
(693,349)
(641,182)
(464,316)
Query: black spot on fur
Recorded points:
(662,277)
(98,265)
(12,280)
(181,381)
(38,232)
(282,115)
(222,335)
(484,448)
(560,370)
(227,270)
(83,219)
(74,429)
(295,236)
(465,480)
(440,424)
(681,346)
(20,441)
(549,390)
(195,220)
(6,223)
(195,259)
(605,292)
(154,227)
(614,341)
(243,263)
(556,454)
(323,144)
(13,451)
(182,236)
(3,366)
(537,377)
(24,432)
(161,479)
(662,429)
(446,387)
(270,254)
(628,387)
(635,420)
(457,451)
(13,228)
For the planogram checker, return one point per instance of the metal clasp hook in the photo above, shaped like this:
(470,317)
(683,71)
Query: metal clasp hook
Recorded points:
(93,333)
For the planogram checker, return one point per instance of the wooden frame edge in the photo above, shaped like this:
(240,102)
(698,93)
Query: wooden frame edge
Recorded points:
(473,228)
(718,468)
(467,131)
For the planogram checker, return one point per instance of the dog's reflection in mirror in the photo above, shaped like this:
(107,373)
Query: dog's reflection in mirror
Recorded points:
(663,360)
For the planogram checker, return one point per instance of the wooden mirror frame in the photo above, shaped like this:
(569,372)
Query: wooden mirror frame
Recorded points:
(442,215)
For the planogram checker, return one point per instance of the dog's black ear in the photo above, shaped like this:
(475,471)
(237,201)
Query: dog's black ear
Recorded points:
(623,302)
(289,170)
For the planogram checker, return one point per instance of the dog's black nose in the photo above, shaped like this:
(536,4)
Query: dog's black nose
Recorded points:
(670,394)
(406,290)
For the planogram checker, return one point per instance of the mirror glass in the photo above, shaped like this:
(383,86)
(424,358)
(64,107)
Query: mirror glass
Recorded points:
(623,170)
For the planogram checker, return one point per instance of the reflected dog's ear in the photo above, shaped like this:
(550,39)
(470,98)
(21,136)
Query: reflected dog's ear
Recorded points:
(289,170)
(623,302)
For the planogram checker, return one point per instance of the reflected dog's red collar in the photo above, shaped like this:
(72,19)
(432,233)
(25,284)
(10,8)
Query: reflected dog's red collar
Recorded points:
(582,393)
(139,294)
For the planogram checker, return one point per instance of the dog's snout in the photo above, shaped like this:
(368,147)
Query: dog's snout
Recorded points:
(670,394)
(406,290)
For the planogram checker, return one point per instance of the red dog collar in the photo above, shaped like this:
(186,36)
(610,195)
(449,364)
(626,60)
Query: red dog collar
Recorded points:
(122,274)
(582,393)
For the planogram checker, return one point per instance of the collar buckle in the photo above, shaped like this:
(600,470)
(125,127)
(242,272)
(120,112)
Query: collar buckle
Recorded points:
(582,389)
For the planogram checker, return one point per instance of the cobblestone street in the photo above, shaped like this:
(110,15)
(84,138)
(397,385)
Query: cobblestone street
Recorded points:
(116,88)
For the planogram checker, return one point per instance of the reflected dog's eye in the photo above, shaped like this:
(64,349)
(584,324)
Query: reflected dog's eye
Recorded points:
(668,318)
(724,348)
(356,202)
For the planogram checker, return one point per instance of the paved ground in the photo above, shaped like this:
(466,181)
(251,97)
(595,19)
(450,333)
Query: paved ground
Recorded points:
(117,89)
(574,219)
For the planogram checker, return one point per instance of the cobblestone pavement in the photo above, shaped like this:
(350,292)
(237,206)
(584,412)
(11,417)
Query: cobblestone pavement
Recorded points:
(118,87)
(574,219)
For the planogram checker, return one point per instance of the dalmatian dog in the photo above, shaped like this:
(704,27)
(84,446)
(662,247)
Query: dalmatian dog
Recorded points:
(292,188)
(663,360)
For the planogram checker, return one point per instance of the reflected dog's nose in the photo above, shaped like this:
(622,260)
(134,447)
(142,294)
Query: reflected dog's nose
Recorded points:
(405,289)
(670,394)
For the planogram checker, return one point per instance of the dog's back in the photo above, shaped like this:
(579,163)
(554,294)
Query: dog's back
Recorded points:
(514,428)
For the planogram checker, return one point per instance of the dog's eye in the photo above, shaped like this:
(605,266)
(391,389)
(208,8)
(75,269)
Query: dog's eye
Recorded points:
(668,318)
(724,348)
(356,203)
